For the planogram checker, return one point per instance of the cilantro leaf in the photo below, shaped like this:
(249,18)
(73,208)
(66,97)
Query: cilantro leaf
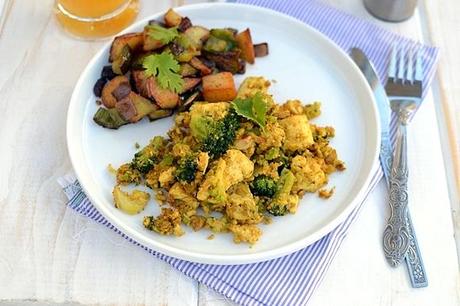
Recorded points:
(165,69)
(253,108)
(162,34)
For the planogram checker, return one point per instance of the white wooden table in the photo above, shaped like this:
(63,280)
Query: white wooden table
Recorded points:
(49,253)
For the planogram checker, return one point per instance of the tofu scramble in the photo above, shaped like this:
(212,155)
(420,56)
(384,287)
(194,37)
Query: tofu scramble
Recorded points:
(230,166)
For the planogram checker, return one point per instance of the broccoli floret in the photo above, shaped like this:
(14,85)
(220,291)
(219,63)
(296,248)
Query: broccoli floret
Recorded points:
(282,200)
(221,135)
(145,159)
(186,169)
(276,209)
(263,186)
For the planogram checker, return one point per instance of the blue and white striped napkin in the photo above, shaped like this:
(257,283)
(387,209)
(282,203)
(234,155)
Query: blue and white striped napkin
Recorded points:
(290,280)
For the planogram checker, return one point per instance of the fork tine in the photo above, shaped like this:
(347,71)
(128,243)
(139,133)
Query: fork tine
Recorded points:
(418,66)
(392,65)
(401,65)
(410,67)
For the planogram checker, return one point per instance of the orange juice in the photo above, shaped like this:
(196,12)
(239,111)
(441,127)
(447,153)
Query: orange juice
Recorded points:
(95,19)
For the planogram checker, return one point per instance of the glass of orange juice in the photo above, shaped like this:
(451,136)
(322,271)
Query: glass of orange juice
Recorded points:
(95,19)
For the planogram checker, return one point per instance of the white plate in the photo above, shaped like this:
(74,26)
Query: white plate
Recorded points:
(305,65)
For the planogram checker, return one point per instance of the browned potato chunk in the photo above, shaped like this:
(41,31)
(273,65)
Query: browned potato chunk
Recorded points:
(190,83)
(108,99)
(172,19)
(149,42)
(197,34)
(244,42)
(135,41)
(197,64)
(141,82)
(165,98)
(219,87)
(135,107)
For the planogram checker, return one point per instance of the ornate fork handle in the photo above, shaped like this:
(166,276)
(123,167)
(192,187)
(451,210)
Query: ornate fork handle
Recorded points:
(396,237)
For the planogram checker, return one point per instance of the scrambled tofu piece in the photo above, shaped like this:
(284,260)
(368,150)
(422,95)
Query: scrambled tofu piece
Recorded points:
(291,107)
(180,199)
(245,233)
(238,168)
(197,222)
(166,177)
(180,150)
(309,175)
(298,133)
(230,169)
(252,85)
(202,161)
(167,223)
(127,175)
(217,225)
(131,203)
(216,110)
(242,207)
(212,190)
(273,137)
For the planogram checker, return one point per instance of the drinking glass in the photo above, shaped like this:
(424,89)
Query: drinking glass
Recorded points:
(95,19)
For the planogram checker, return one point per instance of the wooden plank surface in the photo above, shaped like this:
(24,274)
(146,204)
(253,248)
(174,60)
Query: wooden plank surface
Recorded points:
(50,253)
(443,26)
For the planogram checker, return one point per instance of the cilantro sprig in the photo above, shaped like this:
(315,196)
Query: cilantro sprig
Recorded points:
(165,69)
(162,34)
(253,108)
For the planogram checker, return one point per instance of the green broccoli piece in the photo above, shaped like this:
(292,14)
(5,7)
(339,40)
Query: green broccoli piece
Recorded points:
(221,135)
(276,209)
(282,198)
(147,157)
(186,169)
(263,186)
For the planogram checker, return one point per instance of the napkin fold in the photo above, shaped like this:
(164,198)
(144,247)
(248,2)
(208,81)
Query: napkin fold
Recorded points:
(292,279)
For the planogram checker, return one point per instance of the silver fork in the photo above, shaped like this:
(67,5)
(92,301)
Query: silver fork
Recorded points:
(404,88)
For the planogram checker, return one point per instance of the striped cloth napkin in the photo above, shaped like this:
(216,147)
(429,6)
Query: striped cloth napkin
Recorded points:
(290,280)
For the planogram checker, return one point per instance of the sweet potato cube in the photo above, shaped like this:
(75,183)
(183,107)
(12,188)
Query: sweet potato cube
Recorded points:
(244,42)
(133,40)
(219,87)
(165,98)
(108,99)
(172,19)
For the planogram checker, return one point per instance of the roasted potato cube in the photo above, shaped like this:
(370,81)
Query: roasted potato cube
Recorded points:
(190,83)
(219,87)
(226,61)
(187,70)
(196,63)
(244,42)
(135,107)
(172,19)
(121,64)
(133,40)
(261,49)
(140,80)
(165,98)
(149,42)
(107,97)
(197,34)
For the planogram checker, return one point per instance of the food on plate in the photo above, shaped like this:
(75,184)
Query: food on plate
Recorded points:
(168,66)
(229,166)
